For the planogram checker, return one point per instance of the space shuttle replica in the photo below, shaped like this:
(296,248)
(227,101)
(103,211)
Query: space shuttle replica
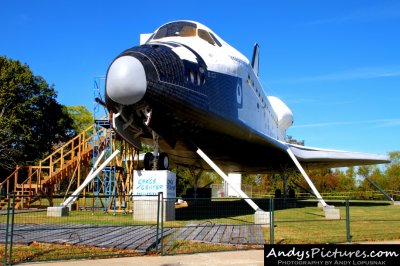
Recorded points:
(198,101)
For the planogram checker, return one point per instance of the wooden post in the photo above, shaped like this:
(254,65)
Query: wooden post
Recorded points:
(78,181)
(39,177)
(72,151)
(62,159)
(51,165)
(29,186)
(16,180)
(80,143)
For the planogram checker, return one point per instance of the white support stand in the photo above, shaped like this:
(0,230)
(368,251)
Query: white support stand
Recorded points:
(227,180)
(236,179)
(330,211)
(260,217)
(310,183)
(92,174)
(62,210)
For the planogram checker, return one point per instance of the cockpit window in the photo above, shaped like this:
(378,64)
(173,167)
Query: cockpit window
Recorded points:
(182,29)
(216,40)
(185,29)
(206,36)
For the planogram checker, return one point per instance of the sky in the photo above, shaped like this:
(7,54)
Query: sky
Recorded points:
(336,64)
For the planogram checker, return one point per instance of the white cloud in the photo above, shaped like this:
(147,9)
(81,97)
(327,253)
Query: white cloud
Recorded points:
(360,16)
(375,123)
(352,74)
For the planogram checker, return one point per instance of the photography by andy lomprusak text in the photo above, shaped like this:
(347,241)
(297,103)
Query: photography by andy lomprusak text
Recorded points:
(332,254)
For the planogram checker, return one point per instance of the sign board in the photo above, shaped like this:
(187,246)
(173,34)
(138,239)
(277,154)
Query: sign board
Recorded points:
(150,183)
(146,186)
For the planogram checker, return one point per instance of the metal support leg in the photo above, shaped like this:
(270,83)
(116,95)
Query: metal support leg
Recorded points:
(380,189)
(226,179)
(310,183)
(156,152)
(93,173)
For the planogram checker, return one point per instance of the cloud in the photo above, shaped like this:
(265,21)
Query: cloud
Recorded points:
(318,102)
(360,16)
(390,123)
(378,123)
(300,100)
(352,74)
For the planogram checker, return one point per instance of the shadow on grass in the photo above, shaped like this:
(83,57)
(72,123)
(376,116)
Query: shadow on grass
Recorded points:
(204,209)
(199,209)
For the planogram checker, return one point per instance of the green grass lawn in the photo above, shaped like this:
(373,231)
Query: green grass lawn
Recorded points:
(303,223)
(308,225)
(40,252)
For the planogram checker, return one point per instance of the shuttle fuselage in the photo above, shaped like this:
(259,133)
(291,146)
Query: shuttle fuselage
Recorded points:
(185,87)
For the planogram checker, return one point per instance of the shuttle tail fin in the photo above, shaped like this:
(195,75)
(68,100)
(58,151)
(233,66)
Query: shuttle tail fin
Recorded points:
(255,62)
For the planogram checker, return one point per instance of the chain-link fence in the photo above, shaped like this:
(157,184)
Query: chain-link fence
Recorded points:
(101,226)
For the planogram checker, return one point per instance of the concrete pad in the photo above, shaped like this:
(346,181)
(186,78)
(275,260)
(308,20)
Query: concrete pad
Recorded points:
(58,211)
(262,218)
(145,210)
(331,213)
(396,203)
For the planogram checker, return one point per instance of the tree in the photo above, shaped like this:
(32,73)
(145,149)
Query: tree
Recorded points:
(375,174)
(364,172)
(291,140)
(324,179)
(32,122)
(81,116)
(347,181)
(192,177)
(379,178)
(392,171)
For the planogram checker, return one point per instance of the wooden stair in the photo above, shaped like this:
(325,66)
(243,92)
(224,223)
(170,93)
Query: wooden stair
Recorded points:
(39,180)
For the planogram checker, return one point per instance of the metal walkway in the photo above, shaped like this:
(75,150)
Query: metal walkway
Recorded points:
(218,234)
(138,238)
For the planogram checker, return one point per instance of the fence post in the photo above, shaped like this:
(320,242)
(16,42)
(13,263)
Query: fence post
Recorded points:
(158,219)
(7,224)
(162,224)
(348,235)
(12,227)
(271,221)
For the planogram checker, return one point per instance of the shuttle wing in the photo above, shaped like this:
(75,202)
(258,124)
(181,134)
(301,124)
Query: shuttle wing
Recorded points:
(317,157)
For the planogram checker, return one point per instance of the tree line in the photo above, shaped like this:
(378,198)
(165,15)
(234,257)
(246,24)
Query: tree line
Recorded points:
(336,181)
(351,179)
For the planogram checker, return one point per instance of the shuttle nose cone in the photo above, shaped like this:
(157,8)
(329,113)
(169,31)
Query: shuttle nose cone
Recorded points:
(126,80)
